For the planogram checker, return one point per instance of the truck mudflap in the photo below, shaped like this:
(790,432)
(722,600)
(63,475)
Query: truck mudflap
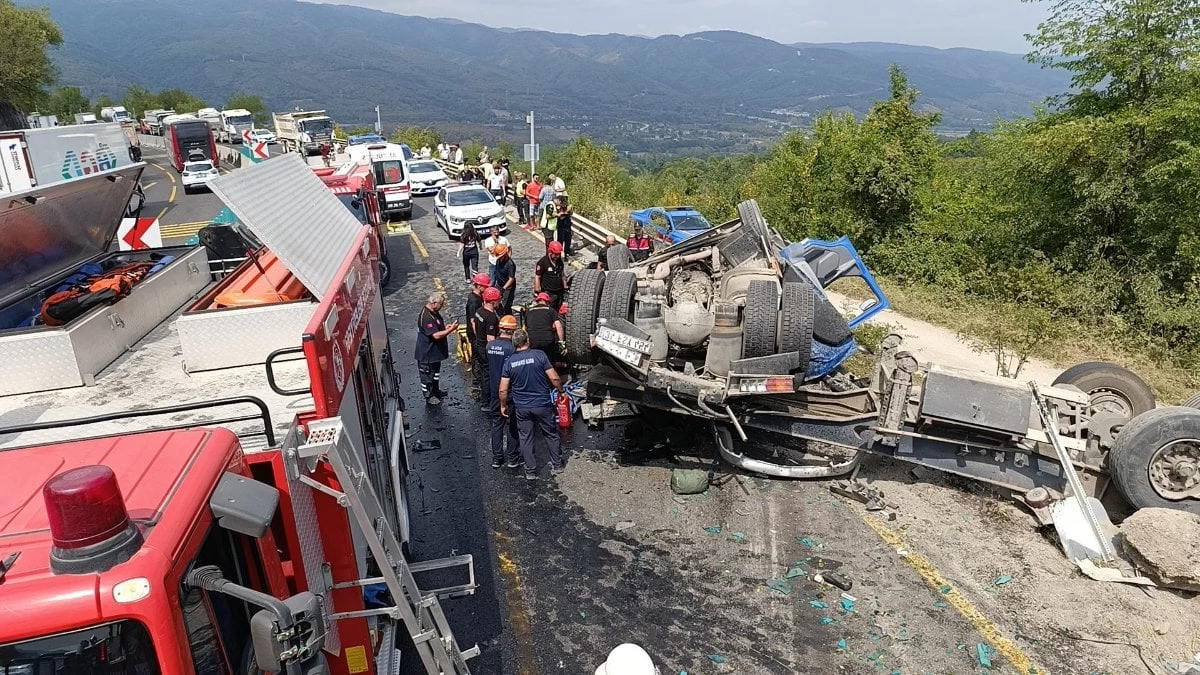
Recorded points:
(823,262)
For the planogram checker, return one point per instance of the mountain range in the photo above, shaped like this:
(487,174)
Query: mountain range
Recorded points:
(722,85)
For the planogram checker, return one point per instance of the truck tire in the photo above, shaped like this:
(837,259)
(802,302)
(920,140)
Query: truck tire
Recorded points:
(829,326)
(1152,455)
(761,320)
(1193,402)
(617,300)
(583,301)
(796,321)
(1111,387)
(752,218)
(385,271)
(618,258)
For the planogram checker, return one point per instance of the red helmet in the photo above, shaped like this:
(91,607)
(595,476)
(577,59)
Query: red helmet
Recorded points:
(491,295)
(481,279)
(543,297)
(554,247)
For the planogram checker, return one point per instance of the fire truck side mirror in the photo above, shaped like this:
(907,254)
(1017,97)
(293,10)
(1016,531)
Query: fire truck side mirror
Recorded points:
(243,505)
(296,649)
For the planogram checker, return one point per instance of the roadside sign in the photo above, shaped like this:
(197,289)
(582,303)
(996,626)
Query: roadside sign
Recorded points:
(134,234)
(253,151)
(533,152)
(246,137)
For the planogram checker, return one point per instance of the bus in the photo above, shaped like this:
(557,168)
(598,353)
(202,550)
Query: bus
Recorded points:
(187,138)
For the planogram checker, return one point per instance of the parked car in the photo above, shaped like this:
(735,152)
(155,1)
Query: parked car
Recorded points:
(197,174)
(426,177)
(460,204)
(263,136)
(671,224)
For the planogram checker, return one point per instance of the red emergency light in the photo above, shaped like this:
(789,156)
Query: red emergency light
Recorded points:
(89,524)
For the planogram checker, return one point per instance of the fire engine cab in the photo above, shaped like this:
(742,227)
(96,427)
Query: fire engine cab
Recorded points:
(242,519)
(354,186)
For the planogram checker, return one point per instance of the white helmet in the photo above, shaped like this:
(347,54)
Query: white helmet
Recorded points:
(628,659)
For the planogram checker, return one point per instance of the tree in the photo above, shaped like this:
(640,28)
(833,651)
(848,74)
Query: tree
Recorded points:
(417,137)
(251,102)
(26,69)
(65,102)
(138,99)
(1120,52)
(180,101)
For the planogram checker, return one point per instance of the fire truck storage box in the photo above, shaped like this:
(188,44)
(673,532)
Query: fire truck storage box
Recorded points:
(46,234)
(288,209)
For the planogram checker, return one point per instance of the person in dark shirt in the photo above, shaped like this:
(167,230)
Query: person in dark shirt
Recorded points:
(545,328)
(505,278)
(565,216)
(530,377)
(479,283)
(549,276)
(433,347)
(498,351)
(640,246)
(602,257)
(483,326)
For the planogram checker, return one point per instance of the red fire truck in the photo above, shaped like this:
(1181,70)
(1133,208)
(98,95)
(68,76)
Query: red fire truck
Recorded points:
(217,540)
(354,185)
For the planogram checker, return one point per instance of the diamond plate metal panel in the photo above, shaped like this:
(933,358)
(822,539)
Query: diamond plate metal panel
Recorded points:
(287,207)
(240,336)
(36,361)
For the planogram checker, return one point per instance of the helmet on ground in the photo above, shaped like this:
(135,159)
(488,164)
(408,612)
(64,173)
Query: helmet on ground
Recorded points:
(554,247)
(543,297)
(500,250)
(508,322)
(491,294)
(481,279)
(628,659)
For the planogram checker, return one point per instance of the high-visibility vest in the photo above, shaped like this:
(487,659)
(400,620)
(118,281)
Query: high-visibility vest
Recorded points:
(635,244)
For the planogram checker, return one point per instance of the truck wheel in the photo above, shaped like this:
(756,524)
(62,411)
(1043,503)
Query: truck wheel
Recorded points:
(796,321)
(1193,402)
(618,258)
(1111,387)
(752,217)
(385,271)
(1155,460)
(583,301)
(829,326)
(761,319)
(617,300)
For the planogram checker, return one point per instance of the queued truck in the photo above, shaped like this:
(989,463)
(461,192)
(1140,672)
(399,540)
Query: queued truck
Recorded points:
(230,496)
(39,157)
(212,116)
(152,120)
(233,123)
(303,131)
(116,113)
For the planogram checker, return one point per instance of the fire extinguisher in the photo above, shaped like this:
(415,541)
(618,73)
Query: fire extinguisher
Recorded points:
(564,412)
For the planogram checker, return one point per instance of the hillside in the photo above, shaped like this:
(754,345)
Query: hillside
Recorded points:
(348,59)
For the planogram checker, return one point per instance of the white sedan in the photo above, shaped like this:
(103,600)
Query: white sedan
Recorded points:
(426,177)
(197,174)
(461,205)
(262,136)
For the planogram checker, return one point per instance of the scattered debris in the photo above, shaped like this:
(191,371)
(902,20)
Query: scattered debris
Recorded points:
(841,645)
(689,481)
(1000,581)
(424,446)
(847,605)
(919,472)
(1162,628)
(825,621)
(716,658)
(945,590)
(679,500)
(780,586)
(625,525)
(738,537)
(796,571)
(1165,544)
(984,654)
(818,604)
(806,542)
(713,529)
(834,579)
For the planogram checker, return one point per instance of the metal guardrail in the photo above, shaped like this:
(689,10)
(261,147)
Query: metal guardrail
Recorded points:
(591,232)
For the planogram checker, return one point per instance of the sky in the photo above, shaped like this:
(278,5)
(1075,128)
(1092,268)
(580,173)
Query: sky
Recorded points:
(979,24)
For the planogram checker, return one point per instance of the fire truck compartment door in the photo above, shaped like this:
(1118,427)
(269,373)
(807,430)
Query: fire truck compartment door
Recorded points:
(290,210)
(59,226)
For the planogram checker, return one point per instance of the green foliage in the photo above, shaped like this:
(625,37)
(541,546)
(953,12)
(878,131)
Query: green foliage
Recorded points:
(65,102)
(102,101)
(251,102)
(417,137)
(138,100)
(180,101)
(25,67)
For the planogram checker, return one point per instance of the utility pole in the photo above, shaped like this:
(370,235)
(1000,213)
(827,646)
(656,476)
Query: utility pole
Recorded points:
(532,146)
(378,122)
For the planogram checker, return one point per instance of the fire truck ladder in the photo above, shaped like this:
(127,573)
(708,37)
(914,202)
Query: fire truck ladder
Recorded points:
(421,612)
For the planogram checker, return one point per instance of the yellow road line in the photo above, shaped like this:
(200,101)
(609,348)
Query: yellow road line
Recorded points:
(437,284)
(984,626)
(161,214)
(420,247)
(147,186)
(171,198)
(514,596)
(175,230)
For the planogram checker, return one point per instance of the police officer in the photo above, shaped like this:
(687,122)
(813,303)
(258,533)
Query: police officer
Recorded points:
(484,326)
(640,246)
(530,376)
(545,327)
(549,275)
(498,351)
(433,347)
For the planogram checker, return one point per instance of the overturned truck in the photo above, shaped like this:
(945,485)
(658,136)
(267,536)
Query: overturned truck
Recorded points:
(735,327)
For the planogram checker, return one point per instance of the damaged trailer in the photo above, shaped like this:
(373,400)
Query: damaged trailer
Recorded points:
(734,326)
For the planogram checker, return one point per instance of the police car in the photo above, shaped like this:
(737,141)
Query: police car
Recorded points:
(459,205)
(671,224)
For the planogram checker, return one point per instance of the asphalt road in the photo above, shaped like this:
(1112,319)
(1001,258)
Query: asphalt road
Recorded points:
(571,566)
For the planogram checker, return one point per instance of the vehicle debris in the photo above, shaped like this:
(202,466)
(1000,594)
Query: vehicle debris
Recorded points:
(689,481)
(1165,544)
(834,579)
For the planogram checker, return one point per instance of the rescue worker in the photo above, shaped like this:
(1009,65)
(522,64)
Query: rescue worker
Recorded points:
(530,377)
(545,327)
(549,275)
(485,327)
(433,347)
(505,277)
(498,351)
(640,246)
(479,283)
(628,659)
(602,257)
